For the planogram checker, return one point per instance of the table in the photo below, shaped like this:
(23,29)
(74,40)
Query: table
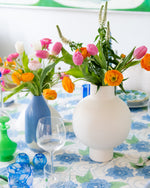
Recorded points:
(121,171)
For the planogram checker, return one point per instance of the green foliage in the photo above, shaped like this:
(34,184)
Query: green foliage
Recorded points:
(25,61)
(86,178)
(15,90)
(116,155)
(117,184)
(84,152)
(93,68)
(133,140)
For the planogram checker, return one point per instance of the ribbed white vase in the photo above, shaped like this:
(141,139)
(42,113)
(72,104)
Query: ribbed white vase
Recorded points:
(101,121)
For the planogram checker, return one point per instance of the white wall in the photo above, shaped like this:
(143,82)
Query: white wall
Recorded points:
(31,24)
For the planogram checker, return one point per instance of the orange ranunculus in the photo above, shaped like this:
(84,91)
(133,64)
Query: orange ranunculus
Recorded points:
(84,52)
(49,94)
(67,84)
(113,78)
(11,64)
(145,62)
(1,60)
(27,77)
(122,56)
(16,76)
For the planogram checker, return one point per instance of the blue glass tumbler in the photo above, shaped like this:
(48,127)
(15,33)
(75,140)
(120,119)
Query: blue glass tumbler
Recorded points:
(20,175)
(86,90)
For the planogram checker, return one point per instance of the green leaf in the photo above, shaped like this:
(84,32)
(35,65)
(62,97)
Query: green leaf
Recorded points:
(82,179)
(140,160)
(122,88)
(67,123)
(116,155)
(25,61)
(117,184)
(15,90)
(84,152)
(132,63)
(4,178)
(125,61)
(137,166)
(102,59)
(77,73)
(67,58)
(44,73)
(68,143)
(133,140)
(60,169)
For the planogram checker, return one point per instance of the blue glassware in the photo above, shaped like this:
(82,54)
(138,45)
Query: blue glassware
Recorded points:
(20,175)
(39,161)
(86,90)
(22,158)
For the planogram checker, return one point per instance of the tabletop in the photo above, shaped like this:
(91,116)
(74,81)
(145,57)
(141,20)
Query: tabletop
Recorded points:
(129,168)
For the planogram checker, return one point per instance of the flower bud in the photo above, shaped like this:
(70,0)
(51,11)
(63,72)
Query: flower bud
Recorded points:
(34,65)
(77,58)
(56,48)
(19,47)
(92,49)
(140,52)
(37,45)
(43,54)
(45,43)
(11,57)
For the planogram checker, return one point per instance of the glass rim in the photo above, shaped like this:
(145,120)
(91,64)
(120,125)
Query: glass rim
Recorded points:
(51,117)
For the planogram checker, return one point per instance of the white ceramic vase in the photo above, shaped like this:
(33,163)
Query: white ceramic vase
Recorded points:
(101,121)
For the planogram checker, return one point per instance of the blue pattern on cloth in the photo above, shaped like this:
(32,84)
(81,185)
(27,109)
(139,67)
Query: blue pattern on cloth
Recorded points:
(121,147)
(141,146)
(21,145)
(138,125)
(96,183)
(89,160)
(146,117)
(120,172)
(67,158)
(75,154)
(145,171)
(70,135)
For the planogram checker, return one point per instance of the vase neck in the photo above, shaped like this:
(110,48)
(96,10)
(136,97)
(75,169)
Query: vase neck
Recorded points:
(104,91)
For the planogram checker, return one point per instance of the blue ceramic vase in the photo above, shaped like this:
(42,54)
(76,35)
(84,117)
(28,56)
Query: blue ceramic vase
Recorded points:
(37,109)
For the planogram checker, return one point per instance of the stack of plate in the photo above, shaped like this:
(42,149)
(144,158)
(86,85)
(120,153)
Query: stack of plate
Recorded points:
(134,98)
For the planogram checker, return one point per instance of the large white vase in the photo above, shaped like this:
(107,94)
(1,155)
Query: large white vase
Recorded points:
(101,121)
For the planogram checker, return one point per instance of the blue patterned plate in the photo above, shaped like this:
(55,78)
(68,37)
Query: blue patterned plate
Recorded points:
(134,98)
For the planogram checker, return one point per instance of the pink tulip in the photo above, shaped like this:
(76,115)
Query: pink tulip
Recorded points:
(56,48)
(92,49)
(4,71)
(43,54)
(62,75)
(11,57)
(140,52)
(34,65)
(77,58)
(45,43)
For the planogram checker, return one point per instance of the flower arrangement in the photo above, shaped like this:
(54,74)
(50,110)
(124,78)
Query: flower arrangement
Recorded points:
(35,73)
(98,63)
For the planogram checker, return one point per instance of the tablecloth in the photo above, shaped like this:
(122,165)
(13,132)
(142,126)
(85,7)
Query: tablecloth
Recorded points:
(121,171)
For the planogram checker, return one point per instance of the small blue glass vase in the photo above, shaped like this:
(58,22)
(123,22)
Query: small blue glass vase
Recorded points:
(37,109)
(20,175)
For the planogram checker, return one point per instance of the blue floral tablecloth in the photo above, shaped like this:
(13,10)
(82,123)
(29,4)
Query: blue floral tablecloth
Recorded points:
(123,171)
